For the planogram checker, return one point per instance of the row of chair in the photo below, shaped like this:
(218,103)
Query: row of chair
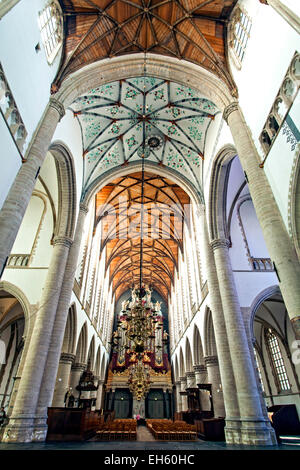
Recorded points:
(117,430)
(173,431)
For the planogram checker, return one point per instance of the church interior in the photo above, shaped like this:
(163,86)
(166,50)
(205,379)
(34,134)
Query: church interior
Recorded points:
(150,222)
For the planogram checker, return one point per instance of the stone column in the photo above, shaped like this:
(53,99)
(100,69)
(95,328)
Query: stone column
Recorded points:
(285,12)
(255,430)
(14,207)
(99,398)
(201,378)
(214,379)
(50,372)
(21,424)
(232,427)
(76,371)
(178,397)
(63,378)
(279,244)
(184,403)
(190,380)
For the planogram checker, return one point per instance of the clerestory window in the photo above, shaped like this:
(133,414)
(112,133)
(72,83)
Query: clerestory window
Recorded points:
(239,33)
(50,24)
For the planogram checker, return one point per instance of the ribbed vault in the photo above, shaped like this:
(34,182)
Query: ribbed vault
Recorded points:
(192,30)
(118,209)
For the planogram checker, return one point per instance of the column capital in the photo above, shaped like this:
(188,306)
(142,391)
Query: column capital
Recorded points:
(190,375)
(83,208)
(59,107)
(182,379)
(67,358)
(200,368)
(219,243)
(79,366)
(177,383)
(66,241)
(211,361)
(234,106)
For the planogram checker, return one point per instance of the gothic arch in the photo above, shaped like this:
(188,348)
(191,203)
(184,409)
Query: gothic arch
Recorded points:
(294,204)
(176,369)
(188,357)
(181,364)
(197,347)
(209,335)
(98,362)
(150,167)
(66,180)
(105,71)
(70,331)
(259,299)
(217,224)
(91,353)
(23,301)
(81,349)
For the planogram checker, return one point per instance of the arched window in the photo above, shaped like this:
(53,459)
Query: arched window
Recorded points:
(239,33)
(50,24)
(277,363)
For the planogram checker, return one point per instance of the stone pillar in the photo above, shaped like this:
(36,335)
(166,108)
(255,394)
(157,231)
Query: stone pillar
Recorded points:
(214,379)
(21,424)
(99,397)
(184,402)
(279,244)
(285,12)
(201,378)
(76,371)
(190,380)
(232,428)
(50,372)
(14,207)
(178,397)
(255,430)
(63,378)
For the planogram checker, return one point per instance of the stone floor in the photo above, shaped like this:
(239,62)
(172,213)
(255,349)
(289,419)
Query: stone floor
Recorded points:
(145,442)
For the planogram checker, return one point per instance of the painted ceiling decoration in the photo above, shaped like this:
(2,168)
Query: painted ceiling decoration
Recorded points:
(123,120)
(118,208)
(192,30)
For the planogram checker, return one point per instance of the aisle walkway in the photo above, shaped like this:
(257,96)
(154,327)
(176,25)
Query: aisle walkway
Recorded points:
(144,435)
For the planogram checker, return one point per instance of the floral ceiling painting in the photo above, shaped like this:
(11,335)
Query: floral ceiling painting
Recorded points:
(162,121)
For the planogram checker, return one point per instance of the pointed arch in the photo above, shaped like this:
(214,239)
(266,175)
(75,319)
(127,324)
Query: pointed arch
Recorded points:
(209,335)
(70,331)
(91,353)
(188,357)
(81,350)
(181,364)
(197,347)
(98,362)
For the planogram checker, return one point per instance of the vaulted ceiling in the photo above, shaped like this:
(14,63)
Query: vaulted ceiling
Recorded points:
(118,209)
(164,121)
(192,30)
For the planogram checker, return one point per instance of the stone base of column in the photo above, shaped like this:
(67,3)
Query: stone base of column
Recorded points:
(258,433)
(40,429)
(251,433)
(19,430)
(233,431)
